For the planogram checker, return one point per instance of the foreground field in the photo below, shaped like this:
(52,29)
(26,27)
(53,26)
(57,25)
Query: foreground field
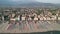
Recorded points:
(25,27)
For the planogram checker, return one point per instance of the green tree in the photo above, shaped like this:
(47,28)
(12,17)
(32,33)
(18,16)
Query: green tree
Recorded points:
(53,12)
(39,11)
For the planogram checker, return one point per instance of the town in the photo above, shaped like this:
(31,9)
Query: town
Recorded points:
(29,18)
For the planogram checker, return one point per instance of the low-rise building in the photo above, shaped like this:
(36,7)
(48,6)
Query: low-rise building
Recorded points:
(44,18)
(53,17)
(29,18)
(35,18)
(58,18)
(48,18)
(23,18)
(41,17)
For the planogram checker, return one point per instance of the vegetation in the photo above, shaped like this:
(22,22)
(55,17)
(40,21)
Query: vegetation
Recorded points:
(39,11)
(53,12)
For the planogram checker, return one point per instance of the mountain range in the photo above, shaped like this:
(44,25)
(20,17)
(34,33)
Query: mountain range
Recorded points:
(28,3)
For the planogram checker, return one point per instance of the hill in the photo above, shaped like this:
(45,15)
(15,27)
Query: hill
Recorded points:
(27,3)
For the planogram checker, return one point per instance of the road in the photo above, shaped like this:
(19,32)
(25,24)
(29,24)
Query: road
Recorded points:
(39,26)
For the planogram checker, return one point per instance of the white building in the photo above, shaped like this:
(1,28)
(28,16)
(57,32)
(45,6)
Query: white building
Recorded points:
(29,18)
(53,18)
(44,18)
(35,18)
(48,18)
(41,18)
(58,18)
(12,19)
(23,18)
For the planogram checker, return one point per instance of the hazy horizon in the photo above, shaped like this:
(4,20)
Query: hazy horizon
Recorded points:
(49,1)
(44,1)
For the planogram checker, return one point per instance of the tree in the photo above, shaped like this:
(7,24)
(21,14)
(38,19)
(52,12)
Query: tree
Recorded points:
(53,12)
(39,11)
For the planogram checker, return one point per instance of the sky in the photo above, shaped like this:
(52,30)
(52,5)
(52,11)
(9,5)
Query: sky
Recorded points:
(49,1)
(44,1)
